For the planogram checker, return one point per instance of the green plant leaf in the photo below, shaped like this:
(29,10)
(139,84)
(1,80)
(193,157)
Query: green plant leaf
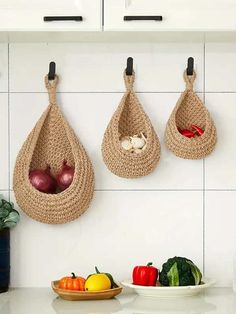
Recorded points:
(3,212)
(9,217)
(12,205)
(3,201)
(9,224)
(7,206)
(12,217)
(173,275)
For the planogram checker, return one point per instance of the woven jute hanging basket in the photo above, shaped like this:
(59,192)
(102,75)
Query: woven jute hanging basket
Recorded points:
(51,142)
(130,119)
(189,111)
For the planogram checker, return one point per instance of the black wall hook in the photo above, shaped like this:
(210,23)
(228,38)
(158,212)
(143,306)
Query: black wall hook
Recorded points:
(52,71)
(190,67)
(129,68)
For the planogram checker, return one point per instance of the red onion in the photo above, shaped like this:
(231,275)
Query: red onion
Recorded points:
(65,176)
(42,180)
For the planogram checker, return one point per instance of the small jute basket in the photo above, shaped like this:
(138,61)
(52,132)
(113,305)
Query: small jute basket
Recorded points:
(51,142)
(189,111)
(130,119)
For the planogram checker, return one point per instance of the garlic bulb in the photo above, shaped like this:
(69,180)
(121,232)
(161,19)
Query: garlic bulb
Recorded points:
(144,147)
(137,142)
(126,144)
(144,137)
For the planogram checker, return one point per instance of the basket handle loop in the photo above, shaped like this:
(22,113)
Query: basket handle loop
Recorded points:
(129,81)
(51,86)
(189,80)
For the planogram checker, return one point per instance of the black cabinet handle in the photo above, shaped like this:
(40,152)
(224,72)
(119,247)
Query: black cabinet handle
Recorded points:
(62,18)
(143,18)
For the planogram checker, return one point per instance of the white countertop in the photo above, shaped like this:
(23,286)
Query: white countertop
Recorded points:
(44,301)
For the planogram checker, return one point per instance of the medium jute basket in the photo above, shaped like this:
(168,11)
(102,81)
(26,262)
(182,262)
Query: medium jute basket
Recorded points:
(51,142)
(130,119)
(190,110)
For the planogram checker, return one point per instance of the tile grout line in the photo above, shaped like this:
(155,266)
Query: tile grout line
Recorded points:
(204,168)
(148,190)
(103,92)
(221,190)
(103,13)
(155,190)
(8,105)
(204,219)
(118,92)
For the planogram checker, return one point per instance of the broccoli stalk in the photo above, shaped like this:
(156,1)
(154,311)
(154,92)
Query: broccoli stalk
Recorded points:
(173,275)
(180,271)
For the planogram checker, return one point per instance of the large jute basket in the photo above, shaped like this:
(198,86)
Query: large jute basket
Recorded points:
(130,119)
(188,111)
(51,142)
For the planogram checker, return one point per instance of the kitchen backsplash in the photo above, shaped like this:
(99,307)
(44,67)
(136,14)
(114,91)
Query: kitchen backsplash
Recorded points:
(183,208)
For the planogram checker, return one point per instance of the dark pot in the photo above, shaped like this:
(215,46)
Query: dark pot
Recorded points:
(4,259)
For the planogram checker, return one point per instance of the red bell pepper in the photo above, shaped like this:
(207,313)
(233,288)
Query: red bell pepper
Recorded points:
(145,275)
(197,129)
(187,133)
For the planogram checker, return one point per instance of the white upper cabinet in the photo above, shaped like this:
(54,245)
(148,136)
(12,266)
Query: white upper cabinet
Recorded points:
(117,15)
(50,15)
(170,15)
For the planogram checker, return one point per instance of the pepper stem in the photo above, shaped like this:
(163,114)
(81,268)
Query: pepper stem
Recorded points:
(97,271)
(149,264)
(73,275)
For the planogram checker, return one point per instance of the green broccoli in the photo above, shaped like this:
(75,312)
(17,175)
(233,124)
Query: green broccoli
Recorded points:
(180,271)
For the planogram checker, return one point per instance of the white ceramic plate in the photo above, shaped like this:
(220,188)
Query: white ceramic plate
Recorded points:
(168,292)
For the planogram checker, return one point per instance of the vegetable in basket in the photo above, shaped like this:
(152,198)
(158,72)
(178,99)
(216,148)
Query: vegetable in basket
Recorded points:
(42,180)
(196,130)
(180,271)
(199,131)
(65,176)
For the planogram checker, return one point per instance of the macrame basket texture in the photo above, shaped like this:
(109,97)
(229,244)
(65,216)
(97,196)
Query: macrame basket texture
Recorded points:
(190,110)
(128,120)
(51,142)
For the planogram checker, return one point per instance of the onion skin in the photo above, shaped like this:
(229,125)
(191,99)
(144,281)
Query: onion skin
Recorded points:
(42,180)
(65,176)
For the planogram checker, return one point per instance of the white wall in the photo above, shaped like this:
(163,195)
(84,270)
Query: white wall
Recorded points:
(183,208)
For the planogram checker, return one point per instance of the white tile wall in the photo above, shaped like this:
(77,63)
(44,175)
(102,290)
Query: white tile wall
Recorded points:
(4,67)
(220,166)
(98,67)
(220,67)
(121,229)
(175,210)
(4,155)
(220,239)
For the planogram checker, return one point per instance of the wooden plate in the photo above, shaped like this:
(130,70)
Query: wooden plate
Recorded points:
(72,295)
